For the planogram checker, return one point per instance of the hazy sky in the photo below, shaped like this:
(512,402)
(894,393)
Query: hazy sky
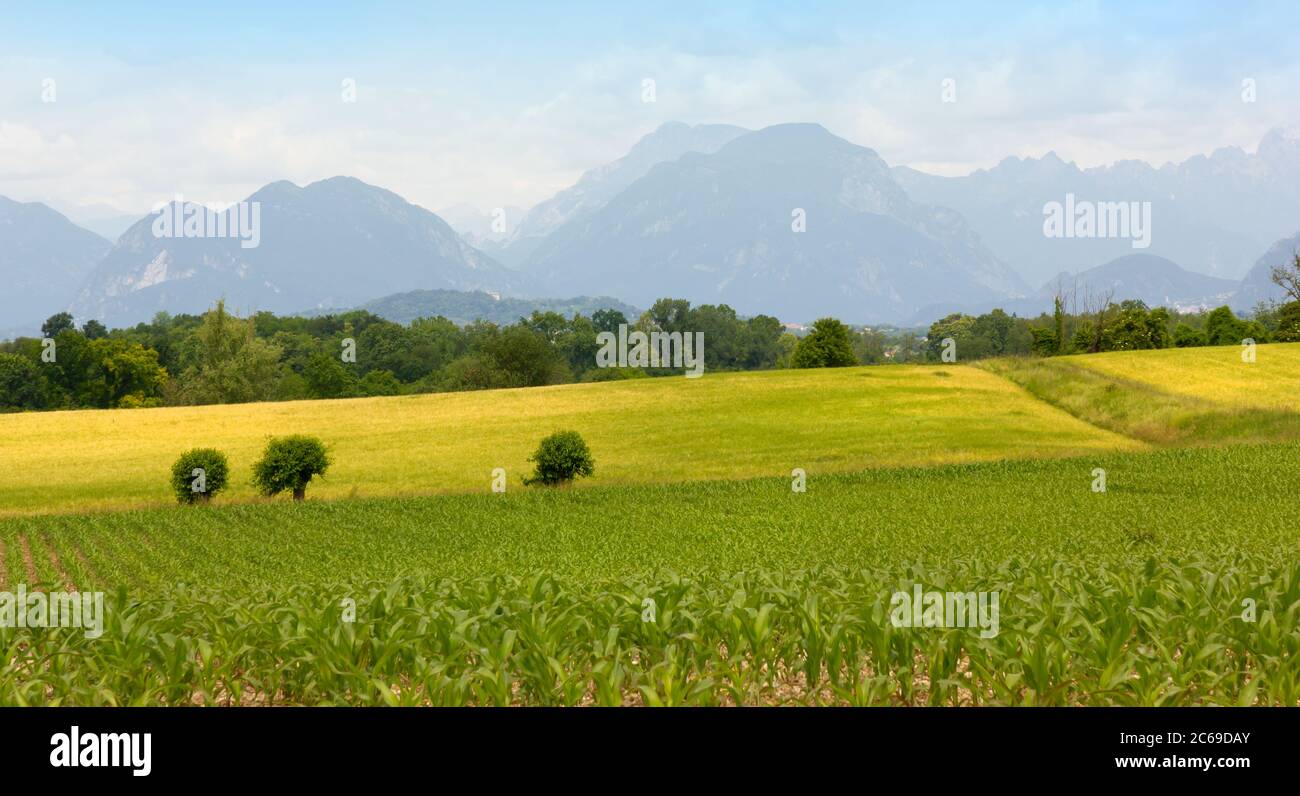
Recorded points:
(504,103)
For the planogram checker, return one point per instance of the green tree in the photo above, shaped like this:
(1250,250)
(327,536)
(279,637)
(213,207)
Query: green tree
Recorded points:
(1287,277)
(560,458)
(996,333)
(607,320)
(328,377)
(786,345)
(1129,329)
(724,343)
(288,465)
(380,382)
(435,342)
(524,357)
(22,385)
(957,326)
(72,368)
(827,345)
(199,474)
(1224,328)
(1288,323)
(761,343)
(231,364)
(472,372)
(578,345)
(94,330)
(1045,342)
(548,325)
(61,322)
(122,373)
(669,315)
(1158,322)
(1187,337)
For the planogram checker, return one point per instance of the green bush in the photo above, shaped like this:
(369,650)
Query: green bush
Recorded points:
(561,457)
(198,475)
(289,464)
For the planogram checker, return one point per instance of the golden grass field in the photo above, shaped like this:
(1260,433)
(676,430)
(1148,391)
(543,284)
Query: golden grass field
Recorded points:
(721,426)
(1183,397)
(1216,373)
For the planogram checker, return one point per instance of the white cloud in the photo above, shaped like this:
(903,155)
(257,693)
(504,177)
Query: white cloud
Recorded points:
(130,135)
(27,155)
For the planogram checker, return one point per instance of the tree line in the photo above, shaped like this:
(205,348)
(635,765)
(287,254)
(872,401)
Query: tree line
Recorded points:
(1125,326)
(1089,322)
(219,357)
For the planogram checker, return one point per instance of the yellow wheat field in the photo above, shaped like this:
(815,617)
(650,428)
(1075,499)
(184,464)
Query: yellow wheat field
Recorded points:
(724,425)
(1217,373)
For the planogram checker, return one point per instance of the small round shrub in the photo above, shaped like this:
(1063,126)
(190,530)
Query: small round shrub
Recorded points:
(199,474)
(289,464)
(561,457)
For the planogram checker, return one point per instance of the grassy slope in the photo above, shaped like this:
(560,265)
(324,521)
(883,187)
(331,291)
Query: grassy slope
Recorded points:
(1215,374)
(722,426)
(1202,396)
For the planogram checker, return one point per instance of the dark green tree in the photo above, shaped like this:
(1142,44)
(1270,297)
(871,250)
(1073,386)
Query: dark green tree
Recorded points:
(606,320)
(328,377)
(62,322)
(1187,337)
(827,345)
(560,458)
(230,363)
(22,385)
(288,464)
(1224,328)
(199,474)
(1288,323)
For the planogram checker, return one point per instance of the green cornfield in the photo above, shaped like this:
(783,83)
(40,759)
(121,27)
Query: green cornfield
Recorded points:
(1160,633)
(1179,585)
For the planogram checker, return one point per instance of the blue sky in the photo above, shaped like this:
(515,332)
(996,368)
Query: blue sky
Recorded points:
(504,103)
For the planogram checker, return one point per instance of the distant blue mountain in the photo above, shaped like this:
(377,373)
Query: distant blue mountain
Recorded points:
(1212,214)
(1258,285)
(338,242)
(724,228)
(468,306)
(44,257)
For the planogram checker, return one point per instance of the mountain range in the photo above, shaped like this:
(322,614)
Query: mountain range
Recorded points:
(1211,214)
(44,259)
(788,220)
(597,187)
(1155,281)
(337,242)
(463,307)
(1257,286)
